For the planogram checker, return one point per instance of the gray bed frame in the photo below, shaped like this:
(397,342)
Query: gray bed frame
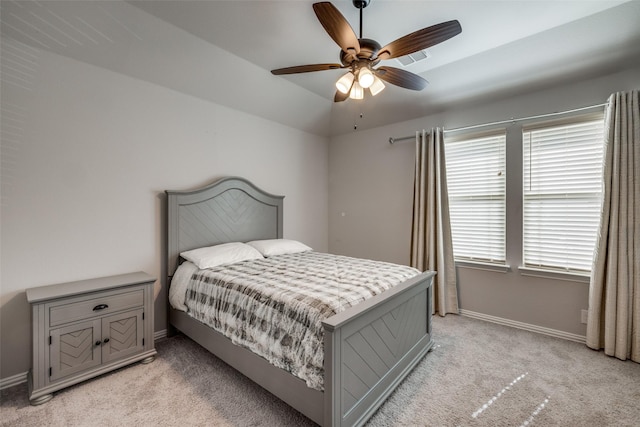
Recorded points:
(369,348)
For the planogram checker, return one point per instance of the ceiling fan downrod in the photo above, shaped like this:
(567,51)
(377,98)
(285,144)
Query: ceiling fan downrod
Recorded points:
(361,4)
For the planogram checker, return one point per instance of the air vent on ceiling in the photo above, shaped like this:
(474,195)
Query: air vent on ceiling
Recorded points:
(413,58)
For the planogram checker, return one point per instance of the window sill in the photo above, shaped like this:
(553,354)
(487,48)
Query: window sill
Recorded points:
(499,268)
(550,274)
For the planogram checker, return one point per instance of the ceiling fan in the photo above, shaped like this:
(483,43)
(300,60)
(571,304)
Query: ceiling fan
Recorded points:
(361,55)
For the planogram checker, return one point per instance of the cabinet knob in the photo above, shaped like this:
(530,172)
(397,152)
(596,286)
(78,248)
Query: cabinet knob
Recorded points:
(106,340)
(100,307)
(98,343)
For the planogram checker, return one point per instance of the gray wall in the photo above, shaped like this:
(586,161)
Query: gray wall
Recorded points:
(86,157)
(370,202)
(87,154)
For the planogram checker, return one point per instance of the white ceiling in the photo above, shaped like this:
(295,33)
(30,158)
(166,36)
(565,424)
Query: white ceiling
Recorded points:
(222,51)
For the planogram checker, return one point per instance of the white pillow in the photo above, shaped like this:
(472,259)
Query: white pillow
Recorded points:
(226,253)
(274,247)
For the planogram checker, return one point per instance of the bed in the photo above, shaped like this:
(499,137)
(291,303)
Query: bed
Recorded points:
(363,363)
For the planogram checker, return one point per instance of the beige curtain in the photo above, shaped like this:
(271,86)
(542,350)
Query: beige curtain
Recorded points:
(614,293)
(431,247)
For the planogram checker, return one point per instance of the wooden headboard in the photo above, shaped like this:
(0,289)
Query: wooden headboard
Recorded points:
(229,210)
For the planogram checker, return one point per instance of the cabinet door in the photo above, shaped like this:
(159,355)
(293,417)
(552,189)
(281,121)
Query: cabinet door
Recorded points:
(74,348)
(122,335)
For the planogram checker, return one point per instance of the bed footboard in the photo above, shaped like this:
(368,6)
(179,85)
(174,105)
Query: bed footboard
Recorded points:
(371,347)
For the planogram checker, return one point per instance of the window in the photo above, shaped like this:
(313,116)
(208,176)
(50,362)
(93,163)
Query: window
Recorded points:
(562,190)
(476,185)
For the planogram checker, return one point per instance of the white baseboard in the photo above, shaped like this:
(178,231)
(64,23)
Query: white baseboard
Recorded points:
(22,378)
(13,380)
(526,326)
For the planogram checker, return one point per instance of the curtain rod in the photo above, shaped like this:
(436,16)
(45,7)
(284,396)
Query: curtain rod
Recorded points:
(512,120)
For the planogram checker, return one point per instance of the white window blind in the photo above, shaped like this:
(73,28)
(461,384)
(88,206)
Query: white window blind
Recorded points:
(562,190)
(476,185)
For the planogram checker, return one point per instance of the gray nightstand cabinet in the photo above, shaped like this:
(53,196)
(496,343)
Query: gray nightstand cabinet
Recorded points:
(87,328)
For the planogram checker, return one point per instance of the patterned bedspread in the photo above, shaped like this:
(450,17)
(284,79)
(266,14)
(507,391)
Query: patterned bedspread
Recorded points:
(274,306)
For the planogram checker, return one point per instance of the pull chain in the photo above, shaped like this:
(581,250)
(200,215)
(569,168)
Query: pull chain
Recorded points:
(355,122)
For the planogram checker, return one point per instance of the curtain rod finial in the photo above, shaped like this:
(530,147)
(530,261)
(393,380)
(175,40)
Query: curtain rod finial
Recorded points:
(391,141)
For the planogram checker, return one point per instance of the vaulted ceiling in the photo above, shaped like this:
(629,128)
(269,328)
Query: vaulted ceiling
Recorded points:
(223,51)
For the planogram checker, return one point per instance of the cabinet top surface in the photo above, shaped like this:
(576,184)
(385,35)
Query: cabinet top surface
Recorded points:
(61,290)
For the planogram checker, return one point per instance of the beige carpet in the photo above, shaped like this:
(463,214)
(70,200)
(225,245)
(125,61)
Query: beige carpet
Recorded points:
(480,374)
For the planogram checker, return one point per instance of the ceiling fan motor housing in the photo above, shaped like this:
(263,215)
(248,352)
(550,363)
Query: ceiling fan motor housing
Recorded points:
(368,49)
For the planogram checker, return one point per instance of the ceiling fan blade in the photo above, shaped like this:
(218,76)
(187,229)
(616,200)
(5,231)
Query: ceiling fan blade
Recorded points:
(306,68)
(337,27)
(421,39)
(401,78)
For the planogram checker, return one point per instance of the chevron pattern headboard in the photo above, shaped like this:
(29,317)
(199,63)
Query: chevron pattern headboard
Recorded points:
(229,210)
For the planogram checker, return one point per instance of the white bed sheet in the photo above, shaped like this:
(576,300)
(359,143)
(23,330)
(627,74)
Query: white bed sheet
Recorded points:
(179,284)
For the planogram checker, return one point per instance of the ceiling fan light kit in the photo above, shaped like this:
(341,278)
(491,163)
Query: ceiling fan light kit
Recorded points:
(357,92)
(365,77)
(361,55)
(376,87)
(366,80)
(345,82)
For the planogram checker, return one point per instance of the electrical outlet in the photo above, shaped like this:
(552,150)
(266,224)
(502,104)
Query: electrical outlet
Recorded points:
(583,316)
